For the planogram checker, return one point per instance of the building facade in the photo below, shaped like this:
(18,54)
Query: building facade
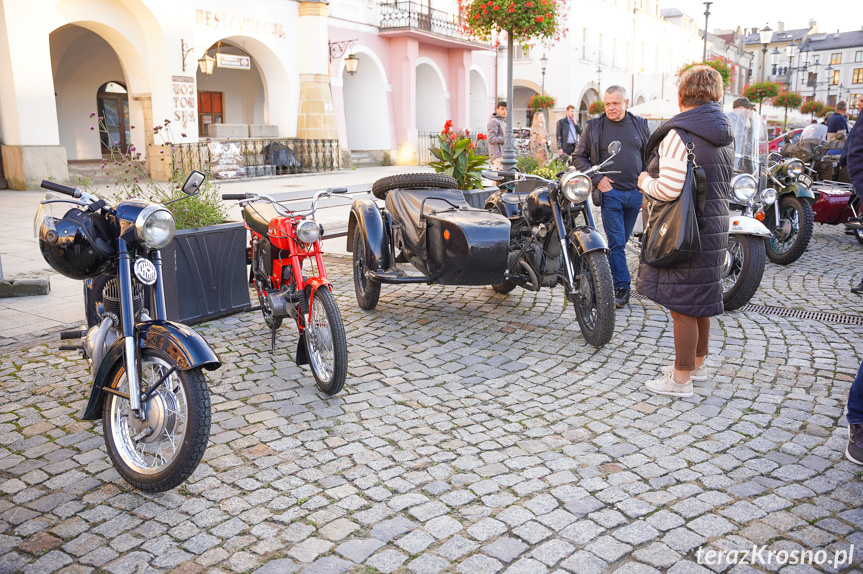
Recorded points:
(834,67)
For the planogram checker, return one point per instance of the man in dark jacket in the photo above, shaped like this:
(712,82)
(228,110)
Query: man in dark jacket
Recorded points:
(618,196)
(853,156)
(568,131)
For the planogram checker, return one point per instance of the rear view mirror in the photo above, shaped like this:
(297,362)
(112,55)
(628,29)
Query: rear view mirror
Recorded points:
(192,186)
(614,148)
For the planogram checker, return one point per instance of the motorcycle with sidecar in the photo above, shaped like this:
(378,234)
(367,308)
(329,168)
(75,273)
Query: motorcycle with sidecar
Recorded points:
(534,233)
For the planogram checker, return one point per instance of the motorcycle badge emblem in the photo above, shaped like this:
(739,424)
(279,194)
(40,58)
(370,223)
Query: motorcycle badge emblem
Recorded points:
(145,271)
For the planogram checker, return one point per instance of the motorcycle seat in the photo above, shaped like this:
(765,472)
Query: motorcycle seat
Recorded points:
(407,206)
(259,215)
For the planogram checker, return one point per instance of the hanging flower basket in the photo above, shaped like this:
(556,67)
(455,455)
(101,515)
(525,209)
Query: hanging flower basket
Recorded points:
(596,108)
(540,102)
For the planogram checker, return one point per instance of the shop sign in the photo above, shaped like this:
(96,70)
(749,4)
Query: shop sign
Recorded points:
(239,23)
(226,159)
(233,62)
(184,100)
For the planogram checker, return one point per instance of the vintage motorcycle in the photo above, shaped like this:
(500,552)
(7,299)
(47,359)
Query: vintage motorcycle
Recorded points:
(148,385)
(787,210)
(527,236)
(282,240)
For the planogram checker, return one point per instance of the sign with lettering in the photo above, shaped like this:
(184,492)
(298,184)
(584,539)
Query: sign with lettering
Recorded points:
(233,62)
(185,105)
(226,160)
(239,23)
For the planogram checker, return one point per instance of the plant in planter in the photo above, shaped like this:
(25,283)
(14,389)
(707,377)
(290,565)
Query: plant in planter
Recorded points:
(787,100)
(204,267)
(458,158)
(596,107)
(813,107)
(722,65)
(541,102)
(760,92)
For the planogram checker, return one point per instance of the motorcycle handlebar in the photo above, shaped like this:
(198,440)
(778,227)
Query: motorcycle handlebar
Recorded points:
(51,186)
(233,196)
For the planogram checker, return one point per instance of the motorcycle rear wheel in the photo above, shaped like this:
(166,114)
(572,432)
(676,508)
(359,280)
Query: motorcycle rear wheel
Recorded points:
(802,219)
(178,418)
(368,291)
(594,307)
(326,343)
(743,270)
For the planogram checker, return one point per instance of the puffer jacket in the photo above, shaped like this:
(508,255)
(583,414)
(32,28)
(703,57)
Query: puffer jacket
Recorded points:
(496,132)
(694,288)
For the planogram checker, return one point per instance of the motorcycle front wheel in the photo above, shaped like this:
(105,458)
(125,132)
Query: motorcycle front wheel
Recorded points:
(743,270)
(593,297)
(326,344)
(157,454)
(802,221)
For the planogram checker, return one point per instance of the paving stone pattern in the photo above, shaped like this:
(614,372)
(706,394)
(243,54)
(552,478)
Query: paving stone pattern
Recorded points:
(478,433)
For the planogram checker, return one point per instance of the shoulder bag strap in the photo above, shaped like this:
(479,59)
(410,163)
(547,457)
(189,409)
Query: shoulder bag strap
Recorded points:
(695,171)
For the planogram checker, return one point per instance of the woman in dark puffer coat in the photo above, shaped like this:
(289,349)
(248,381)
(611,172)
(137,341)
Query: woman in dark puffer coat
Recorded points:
(692,291)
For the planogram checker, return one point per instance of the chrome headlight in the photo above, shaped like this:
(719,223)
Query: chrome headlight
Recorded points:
(794,168)
(575,187)
(768,196)
(744,186)
(308,231)
(155,227)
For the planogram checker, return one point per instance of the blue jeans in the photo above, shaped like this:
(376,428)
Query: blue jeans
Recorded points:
(619,212)
(855,400)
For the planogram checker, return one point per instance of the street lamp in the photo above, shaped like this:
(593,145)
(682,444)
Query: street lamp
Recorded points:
(599,81)
(706,17)
(829,81)
(544,61)
(765,35)
(774,59)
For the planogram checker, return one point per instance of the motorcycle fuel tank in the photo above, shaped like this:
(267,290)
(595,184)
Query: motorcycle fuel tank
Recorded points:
(537,207)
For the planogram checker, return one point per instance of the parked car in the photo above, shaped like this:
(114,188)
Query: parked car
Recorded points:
(777,143)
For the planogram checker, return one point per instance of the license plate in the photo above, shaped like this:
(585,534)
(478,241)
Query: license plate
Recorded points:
(805,180)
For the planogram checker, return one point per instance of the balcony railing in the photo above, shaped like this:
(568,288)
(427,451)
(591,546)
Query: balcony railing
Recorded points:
(406,15)
(257,157)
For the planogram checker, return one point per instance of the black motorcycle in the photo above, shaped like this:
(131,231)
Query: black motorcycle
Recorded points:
(148,385)
(528,235)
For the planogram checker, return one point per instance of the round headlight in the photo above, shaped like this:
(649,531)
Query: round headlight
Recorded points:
(744,186)
(768,196)
(794,167)
(576,187)
(155,227)
(308,231)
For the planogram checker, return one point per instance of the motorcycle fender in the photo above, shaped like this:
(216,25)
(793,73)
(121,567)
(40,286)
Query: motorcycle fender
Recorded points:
(366,218)
(587,239)
(799,190)
(183,346)
(742,225)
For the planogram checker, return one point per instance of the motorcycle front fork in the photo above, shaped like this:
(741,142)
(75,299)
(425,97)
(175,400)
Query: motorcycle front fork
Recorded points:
(130,346)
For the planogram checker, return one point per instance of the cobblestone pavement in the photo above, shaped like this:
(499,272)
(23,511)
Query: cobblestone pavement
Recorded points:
(478,434)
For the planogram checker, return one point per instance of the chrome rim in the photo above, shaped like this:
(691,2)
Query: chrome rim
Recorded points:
(149,446)
(733,264)
(319,335)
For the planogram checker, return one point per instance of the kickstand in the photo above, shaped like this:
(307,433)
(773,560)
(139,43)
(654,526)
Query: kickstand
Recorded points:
(273,337)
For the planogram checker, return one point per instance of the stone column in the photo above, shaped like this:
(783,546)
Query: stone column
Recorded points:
(316,118)
(403,56)
(28,116)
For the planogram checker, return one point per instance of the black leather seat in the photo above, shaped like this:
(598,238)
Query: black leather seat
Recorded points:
(259,215)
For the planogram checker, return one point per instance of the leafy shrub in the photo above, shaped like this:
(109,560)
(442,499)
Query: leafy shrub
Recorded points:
(458,158)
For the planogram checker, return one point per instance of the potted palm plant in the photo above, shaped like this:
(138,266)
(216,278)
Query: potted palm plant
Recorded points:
(457,157)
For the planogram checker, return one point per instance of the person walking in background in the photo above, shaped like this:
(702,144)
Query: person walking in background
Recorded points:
(496,132)
(568,132)
(692,291)
(619,196)
(539,139)
(837,123)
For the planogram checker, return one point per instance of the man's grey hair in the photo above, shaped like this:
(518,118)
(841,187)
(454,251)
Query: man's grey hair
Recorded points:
(615,89)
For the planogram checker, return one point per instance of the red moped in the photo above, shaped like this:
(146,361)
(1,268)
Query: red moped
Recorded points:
(282,242)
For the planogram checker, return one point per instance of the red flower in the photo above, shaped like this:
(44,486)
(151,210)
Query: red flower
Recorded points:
(485,12)
(481,136)
(529,4)
(511,10)
(548,14)
(476,17)
(466,132)
(496,8)
(539,18)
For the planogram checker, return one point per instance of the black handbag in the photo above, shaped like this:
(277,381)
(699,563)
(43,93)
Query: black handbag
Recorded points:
(671,234)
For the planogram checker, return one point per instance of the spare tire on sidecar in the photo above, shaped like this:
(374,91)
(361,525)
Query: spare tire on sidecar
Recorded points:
(384,185)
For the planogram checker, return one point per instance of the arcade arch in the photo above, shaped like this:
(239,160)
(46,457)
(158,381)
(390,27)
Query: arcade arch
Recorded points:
(479,108)
(431,97)
(367,118)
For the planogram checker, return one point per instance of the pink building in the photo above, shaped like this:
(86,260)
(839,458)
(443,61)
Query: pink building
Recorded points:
(415,71)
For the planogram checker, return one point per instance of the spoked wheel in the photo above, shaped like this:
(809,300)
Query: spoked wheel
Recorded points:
(743,270)
(792,237)
(160,452)
(593,297)
(326,344)
(368,291)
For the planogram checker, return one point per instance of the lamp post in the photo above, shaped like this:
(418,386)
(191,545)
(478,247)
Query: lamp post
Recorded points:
(829,82)
(544,61)
(508,158)
(599,81)
(765,35)
(706,17)
(815,79)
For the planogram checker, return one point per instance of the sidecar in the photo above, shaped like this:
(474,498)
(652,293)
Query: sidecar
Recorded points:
(426,222)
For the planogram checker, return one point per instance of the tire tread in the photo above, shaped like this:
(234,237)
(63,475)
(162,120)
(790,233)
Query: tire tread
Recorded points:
(384,185)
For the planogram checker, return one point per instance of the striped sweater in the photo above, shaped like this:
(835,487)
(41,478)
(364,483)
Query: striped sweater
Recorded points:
(672,169)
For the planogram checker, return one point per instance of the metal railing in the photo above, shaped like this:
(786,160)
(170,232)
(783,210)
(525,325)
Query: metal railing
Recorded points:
(258,157)
(428,140)
(396,15)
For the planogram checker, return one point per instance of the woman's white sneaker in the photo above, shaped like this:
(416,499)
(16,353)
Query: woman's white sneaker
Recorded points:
(665,385)
(699,374)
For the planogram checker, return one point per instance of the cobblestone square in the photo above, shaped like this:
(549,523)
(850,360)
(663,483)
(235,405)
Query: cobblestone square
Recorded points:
(477,433)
